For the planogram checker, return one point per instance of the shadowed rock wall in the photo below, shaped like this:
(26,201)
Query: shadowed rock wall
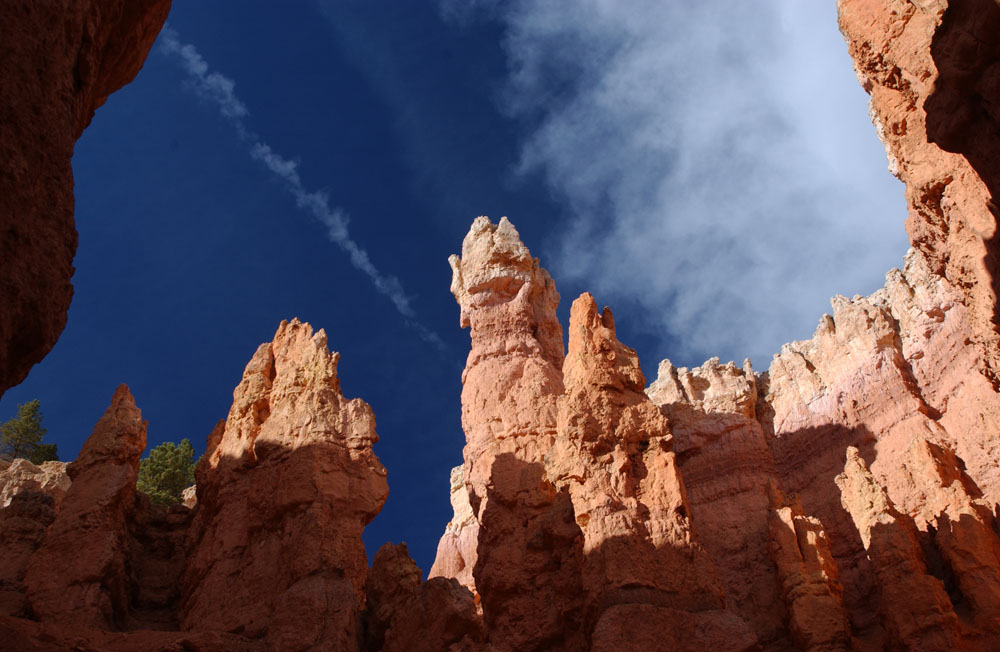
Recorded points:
(59,61)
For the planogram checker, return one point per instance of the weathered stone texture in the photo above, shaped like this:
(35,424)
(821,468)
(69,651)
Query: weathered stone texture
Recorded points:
(283,495)
(843,499)
(78,576)
(59,61)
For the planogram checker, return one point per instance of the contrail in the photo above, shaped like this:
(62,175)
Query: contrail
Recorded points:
(219,90)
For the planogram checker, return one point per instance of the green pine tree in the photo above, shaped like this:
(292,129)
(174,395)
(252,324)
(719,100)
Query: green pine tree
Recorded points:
(44,453)
(166,472)
(22,435)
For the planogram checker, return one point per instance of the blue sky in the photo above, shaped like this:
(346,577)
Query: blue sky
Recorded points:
(709,173)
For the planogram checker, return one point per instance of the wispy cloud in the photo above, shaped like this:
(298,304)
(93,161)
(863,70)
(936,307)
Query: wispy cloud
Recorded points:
(210,85)
(220,91)
(715,158)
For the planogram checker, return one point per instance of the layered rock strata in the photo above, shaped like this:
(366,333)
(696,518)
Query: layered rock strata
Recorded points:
(882,374)
(59,61)
(727,467)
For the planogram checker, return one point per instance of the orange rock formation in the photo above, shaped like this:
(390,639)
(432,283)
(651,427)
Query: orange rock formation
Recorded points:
(843,499)
(283,495)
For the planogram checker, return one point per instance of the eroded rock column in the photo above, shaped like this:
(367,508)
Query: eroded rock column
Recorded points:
(78,577)
(284,492)
(576,500)
(642,562)
(800,548)
(529,551)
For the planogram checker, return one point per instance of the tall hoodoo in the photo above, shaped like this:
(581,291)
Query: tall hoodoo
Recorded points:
(283,496)
(89,539)
(512,377)
(579,509)
(511,387)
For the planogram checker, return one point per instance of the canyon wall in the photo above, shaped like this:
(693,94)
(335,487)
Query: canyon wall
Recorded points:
(843,499)
(59,61)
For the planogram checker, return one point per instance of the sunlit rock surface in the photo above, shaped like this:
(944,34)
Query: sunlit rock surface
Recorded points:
(582,517)
(20,475)
(283,496)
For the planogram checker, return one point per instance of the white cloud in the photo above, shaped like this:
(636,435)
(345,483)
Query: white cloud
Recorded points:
(220,90)
(716,158)
(210,85)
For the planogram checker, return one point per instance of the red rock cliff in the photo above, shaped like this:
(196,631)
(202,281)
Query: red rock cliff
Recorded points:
(906,376)
(845,497)
(59,61)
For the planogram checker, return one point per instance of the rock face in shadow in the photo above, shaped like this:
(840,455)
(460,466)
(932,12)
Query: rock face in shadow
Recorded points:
(22,529)
(914,607)
(78,577)
(404,614)
(808,573)
(59,61)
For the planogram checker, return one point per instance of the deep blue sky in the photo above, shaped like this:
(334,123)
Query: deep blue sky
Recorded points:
(414,119)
